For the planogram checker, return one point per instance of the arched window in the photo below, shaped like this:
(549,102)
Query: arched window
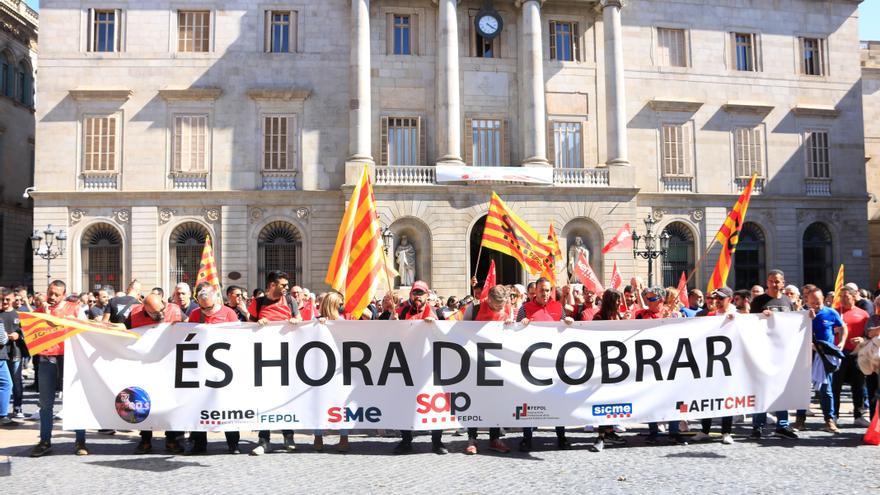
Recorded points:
(749,261)
(101,254)
(818,256)
(185,252)
(680,257)
(279,247)
(8,82)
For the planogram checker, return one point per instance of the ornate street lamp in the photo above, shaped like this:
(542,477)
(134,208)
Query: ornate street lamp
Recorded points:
(387,240)
(650,252)
(48,246)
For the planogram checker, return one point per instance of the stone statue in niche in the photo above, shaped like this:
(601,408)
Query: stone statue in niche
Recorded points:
(573,253)
(405,256)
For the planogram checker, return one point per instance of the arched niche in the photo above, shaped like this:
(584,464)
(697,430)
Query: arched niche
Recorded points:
(419,236)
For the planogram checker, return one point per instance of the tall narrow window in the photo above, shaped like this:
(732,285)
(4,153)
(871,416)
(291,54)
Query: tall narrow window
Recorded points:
(402,32)
(812,56)
(279,247)
(280,31)
(402,143)
(104,32)
(676,149)
(745,51)
(193,31)
(680,254)
(486,142)
(818,164)
(278,143)
(101,257)
(748,146)
(671,47)
(818,256)
(185,252)
(568,149)
(749,259)
(190,143)
(485,48)
(99,144)
(563,41)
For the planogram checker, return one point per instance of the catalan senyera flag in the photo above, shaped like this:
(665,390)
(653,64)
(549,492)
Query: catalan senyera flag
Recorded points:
(207,267)
(838,285)
(728,237)
(358,260)
(42,330)
(507,233)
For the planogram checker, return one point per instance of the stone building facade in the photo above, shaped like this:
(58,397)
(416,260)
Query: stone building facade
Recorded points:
(18,60)
(250,121)
(871,101)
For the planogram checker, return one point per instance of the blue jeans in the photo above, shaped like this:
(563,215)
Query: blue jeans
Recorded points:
(760,419)
(674,428)
(5,388)
(15,367)
(49,373)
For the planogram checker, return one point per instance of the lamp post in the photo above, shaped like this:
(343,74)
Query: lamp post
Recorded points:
(387,240)
(650,252)
(46,247)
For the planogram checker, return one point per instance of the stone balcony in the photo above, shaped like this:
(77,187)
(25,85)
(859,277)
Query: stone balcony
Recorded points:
(410,175)
(99,181)
(817,187)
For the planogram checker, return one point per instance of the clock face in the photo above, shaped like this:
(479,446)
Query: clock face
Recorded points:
(489,25)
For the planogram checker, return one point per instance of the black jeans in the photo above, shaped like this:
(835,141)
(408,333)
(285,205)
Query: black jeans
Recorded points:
(871,382)
(527,433)
(494,433)
(850,373)
(170,436)
(436,436)
(264,434)
(726,425)
(200,439)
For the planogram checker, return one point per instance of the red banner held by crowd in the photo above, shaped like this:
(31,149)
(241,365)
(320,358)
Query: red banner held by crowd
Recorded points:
(587,276)
(621,240)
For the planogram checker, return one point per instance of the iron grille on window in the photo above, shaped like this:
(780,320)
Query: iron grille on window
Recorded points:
(102,257)
(187,242)
(279,247)
(680,256)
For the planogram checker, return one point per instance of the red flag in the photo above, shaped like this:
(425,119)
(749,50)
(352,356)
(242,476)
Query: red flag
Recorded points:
(616,279)
(683,289)
(587,276)
(623,239)
(489,282)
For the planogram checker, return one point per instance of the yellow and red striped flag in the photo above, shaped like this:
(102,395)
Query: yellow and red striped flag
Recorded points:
(207,267)
(728,237)
(358,261)
(838,286)
(42,330)
(507,233)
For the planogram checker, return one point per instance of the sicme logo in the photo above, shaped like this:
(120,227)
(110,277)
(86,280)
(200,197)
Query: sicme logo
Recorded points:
(444,407)
(356,415)
(226,417)
(716,404)
(526,411)
(613,410)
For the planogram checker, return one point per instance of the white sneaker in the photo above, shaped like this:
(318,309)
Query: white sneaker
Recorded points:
(862,422)
(727,439)
(700,437)
(289,444)
(619,429)
(262,447)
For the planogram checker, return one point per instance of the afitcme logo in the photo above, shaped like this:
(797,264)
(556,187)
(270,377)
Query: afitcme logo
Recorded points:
(226,416)
(444,407)
(716,404)
(531,411)
(357,415)
(133,405)
(613,410)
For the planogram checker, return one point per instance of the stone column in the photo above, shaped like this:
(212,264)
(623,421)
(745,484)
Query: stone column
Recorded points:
(534,122)
(615,89)
(448,91)
(360,111)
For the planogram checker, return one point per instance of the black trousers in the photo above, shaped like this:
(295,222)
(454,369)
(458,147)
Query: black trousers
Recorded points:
(873,384)
(264,434)
(436,436)
(850,373)
(494,433)
(726,425)
(527,433)
(170,436)
(200,438)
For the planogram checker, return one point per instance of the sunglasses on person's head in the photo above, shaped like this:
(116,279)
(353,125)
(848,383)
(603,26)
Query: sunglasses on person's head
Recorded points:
(652,298)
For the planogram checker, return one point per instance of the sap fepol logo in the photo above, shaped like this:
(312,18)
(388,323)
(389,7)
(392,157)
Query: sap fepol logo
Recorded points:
(133,405)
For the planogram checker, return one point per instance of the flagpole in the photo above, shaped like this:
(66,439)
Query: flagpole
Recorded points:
(477,266)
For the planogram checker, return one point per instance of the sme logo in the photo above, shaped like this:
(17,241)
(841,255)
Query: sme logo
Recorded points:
(443,407)
(613,410)
(356,415)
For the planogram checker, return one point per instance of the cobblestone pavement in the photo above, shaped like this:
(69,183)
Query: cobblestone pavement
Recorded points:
(816,463)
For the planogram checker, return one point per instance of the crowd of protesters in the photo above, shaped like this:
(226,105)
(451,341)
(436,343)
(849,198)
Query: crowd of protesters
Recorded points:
(839,330)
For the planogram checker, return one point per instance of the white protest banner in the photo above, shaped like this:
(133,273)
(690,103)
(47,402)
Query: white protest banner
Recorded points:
(528,175)
(421,375)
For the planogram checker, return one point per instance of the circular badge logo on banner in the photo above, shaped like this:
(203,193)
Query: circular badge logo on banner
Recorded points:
(133,404)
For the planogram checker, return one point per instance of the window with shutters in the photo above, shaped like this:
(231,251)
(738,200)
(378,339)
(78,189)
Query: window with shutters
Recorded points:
(567,142)
(812,55)
(104,30)
(280,32)
(818,162)
(100,144)
(193,31)
(486,136)
(402,30)
(745,52)
(564,41)
(748,151)
(279,143)
(675,151)
(403,141)
(190,143)
(672,47)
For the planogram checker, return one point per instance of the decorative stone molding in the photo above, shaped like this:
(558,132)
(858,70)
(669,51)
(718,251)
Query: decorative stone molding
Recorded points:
(100,94)
(748,107)
(166,214)
(256,214)
(211,215)
(76,215)
(122,216)
(302,213)
(814,110)
(278,94)
(658,213)
(675,105)
(698,214)
(191,94)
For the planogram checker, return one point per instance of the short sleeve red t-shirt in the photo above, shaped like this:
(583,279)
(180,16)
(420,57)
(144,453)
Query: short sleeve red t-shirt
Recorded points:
(647,314)
(274,311)
(224,315)
(855,319)
(139,318)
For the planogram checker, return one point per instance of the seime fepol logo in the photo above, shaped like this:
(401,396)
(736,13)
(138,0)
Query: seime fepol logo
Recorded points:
(613,410)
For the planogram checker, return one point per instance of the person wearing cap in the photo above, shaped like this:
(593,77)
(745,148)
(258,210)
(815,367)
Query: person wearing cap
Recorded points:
(417,308)
(722,297)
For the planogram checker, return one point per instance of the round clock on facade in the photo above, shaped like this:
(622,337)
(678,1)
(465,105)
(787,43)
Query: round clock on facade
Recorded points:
(488,24)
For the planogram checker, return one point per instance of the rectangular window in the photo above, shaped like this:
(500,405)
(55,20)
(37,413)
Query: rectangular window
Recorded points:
(485,48)
(99,144)
(568,148)
(402,143)
(193,31)
(563,41)
(675,150)
(812,61)
(402,33)
(486,142)
(818,163)
(190,143)
(671,47)
(278,143)
(280,31)
(745,51)
(748,145)
(104,36)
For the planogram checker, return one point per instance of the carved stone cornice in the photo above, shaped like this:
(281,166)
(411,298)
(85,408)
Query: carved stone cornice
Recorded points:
(191,94)
(100,94)
(278,94)
(675,105)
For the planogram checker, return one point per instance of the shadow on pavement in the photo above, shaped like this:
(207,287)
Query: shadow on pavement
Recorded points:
(148,463)
(696,455)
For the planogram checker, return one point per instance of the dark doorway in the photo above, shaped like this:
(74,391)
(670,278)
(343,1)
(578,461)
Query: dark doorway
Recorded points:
(507,267)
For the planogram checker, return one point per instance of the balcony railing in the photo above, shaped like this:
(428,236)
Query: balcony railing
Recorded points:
(818,187)
(279,181)
(189,181)
(405,175)
(742,182)
(581,177)
(678,184)
(100,182)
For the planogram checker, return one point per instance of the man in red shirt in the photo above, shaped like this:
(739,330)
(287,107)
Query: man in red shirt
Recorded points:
(855,319)
(275,305)
(51,365)
(654,301)
(155,310)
